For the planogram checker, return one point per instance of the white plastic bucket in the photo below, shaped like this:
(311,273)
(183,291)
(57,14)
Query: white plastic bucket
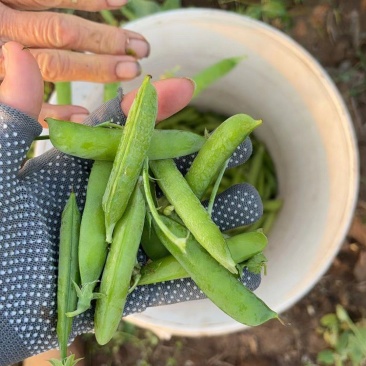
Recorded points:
(306,128)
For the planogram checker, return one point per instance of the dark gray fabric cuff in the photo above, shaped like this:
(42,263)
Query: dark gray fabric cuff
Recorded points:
(12,348)
(110,111)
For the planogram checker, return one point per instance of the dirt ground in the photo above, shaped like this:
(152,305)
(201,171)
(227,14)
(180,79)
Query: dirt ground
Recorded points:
(334,32)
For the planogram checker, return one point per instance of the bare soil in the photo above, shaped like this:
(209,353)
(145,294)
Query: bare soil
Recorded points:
(334,33)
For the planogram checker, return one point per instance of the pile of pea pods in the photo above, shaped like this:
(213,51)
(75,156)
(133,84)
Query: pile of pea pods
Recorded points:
(98,248)
(259,170)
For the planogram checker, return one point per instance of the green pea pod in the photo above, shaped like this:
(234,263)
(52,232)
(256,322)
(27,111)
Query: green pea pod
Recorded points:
(110,89)
(131,154)
(218,284)
(240,244)
(242,247)
(63,92)
(191,211)
(218,148)
(256,165)
(214,72)
(115,283)
(95,143)
(68,272)
(93,248)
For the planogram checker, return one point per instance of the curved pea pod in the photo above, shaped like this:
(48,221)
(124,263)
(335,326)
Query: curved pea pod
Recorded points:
(68,272)
(131,154)
(192,213)
(115,283)
(98,143)
(93,248)
(218,148)
(242,247)
(245,245)
(219,285)
(214,72)
(163,269)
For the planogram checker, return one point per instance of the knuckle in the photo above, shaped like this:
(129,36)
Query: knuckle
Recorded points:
(58,32)
(50,3)
(47,4)
(52,65)
(6,20)
(85,5)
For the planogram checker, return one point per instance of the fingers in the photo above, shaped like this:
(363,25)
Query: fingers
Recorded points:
(63,112)
(60,65)
(65,31)
(68,66)
(22,87)
(53,35)
(173,95)
(86,5)
(239,205)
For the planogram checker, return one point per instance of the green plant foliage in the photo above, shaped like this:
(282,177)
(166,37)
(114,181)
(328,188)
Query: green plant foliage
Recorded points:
(269,9)
(256,264)
(140,8)
(69,361)
(347,340)
(265,10)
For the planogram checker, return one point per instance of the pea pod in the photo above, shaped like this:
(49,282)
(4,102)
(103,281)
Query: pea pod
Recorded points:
(93,248)
(96,143)
(190,210)
(219,285)
(214,72)
(131,154)
(217,149)
(242,247)
(68,272)
(120,263)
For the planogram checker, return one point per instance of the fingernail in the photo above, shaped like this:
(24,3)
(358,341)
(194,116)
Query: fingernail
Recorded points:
(137,48)
(192,82)
(127,70)
(117,3)
(78,117)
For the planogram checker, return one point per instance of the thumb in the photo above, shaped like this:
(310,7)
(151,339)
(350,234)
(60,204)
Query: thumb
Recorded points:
(22,87)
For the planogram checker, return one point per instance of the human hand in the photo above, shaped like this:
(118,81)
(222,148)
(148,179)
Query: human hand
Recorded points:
(60,41)
(32,199)
(69,48)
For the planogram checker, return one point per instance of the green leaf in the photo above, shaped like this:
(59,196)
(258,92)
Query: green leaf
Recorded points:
(329,321)
(140,8)
(274,9)
(331,336)
(326,357)
(355,353)
(342,314)
(69,361)
(344,317)
(254,11)
(171,4)
(342,343)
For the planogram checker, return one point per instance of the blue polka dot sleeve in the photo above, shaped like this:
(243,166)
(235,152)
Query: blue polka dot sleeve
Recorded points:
(32,197)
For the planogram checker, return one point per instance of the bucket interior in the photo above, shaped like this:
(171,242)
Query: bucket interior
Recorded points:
(306,129)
